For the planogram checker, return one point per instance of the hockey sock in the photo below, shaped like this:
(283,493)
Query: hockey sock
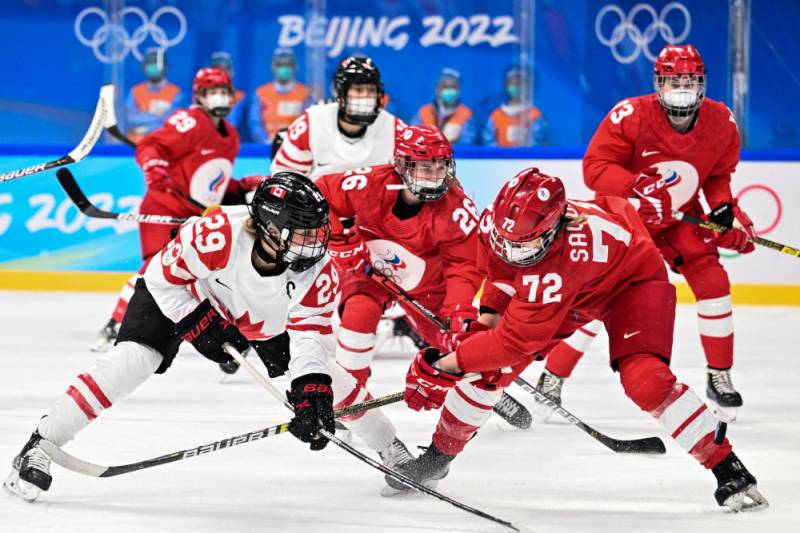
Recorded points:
(710,285)
(563,358)
(649,382)
(355,344)
(114,375)
(123,299)
(466,408)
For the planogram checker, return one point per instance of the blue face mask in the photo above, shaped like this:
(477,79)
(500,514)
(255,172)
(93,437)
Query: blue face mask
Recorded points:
(449,95)
(284,73)
(153,71)
(513,91)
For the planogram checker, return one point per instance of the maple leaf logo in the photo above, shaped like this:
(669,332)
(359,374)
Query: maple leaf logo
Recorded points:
(250,329)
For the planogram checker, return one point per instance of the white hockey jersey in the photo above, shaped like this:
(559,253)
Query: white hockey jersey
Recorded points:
(313,145)
(210,258)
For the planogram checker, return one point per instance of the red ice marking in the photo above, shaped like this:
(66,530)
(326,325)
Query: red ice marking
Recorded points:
(95,388)
(76,395)
(775,197)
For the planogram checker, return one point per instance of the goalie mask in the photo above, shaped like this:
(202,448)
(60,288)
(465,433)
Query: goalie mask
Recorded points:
(217,103)
(291,216)
(358,71)
(680,80)
(528,214)
(424,159)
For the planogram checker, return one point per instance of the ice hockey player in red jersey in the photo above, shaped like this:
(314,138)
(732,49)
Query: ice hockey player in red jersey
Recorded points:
(662,149)
(412,222)
(561,263)
(351,132)
(187,165)
(253,276)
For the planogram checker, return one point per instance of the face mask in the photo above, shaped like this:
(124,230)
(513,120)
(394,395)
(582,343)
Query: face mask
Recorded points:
(218,105)
(361,106)
(513,91)
(153,71)
(284,73)
(449,96)
(680,98)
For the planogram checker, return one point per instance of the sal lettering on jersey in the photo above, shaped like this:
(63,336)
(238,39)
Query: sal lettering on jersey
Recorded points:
(406,268)
(585,236)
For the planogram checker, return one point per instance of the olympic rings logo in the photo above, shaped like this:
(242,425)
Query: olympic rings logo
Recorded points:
(120,41)
(626,29)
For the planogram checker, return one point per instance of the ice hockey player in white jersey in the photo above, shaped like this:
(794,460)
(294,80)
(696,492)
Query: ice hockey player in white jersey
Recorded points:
(253,276)
(351,132)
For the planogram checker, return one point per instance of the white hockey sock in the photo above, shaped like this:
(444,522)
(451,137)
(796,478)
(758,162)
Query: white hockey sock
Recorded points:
(354,350)
(114,375)
(372,426)
(685,417)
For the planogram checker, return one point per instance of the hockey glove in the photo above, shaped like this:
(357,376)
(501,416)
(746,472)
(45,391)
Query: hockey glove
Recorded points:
(208,332)
(312,398)
(427,386)
(274,353)
(348,252)
(741,234)
(655,203)
(156,174)
(459,317)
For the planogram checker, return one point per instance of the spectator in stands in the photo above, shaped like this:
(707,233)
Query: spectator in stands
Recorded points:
(277,103)
(517,122)
(152,101)
(223,61)
(446,112)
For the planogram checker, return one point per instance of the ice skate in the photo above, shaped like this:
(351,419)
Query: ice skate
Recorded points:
(513,412)
(550,385)
(736,487)
(395,455)
(30,471)
(107,337)
(426,469)
(725,398)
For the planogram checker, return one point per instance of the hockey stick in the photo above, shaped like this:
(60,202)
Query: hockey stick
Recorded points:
(70,462)
(103,117)
(643,445)
(521,417)
(651,445)
(261,380)
(73,190)
(719,228)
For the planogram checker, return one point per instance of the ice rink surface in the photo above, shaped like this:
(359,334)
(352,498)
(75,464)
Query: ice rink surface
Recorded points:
(552,478)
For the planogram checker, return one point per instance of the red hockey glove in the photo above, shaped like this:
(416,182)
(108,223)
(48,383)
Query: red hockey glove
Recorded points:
(156,174)
(655,205)
(452,340)
(426,386)
(251,183)
(458,317)
(348,252)
(741,234)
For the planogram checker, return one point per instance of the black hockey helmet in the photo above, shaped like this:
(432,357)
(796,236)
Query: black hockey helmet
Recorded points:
(292,215)
(357,70)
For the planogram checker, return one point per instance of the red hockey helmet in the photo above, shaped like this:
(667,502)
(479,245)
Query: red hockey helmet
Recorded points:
(680,79)
(424,159)
(528,214)
(209,78)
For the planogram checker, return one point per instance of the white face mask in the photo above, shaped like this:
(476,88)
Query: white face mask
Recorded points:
(218,100)
(361,106)
(680,97)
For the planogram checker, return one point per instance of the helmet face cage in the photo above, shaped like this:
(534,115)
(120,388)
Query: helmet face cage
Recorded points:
(292,216)
(427,179)
(357,71)
(526,253)
(680,94)
(211,78)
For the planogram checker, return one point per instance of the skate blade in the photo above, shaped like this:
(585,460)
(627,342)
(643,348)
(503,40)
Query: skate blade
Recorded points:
(390,492)
(749,500)
(19,488)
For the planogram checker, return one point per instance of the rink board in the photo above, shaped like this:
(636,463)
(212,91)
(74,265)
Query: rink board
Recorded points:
(46,244)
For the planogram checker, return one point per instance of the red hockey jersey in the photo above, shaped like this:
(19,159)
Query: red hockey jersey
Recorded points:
(587,267)
(636,134)
(200,162)
(435,247)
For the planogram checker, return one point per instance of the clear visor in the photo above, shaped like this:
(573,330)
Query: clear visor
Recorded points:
(427,179)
